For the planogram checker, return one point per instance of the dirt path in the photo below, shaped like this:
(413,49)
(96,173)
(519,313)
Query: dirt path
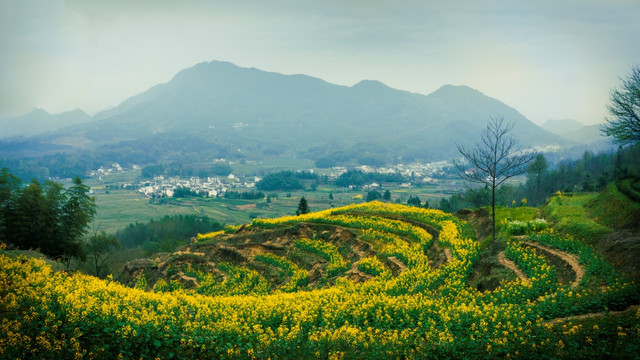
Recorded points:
(446,250)
(512,266)
(356,275)
(628,310)
(571,259)
(397,263)
(447,253)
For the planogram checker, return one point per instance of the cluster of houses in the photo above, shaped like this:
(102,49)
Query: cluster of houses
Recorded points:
(210,186)
(115,168)
(217,186)
(165,187)
(417,172)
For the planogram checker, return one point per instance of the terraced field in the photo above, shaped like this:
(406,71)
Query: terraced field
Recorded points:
(361,281)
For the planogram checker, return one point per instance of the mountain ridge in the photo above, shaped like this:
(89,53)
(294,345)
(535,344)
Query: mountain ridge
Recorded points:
(250,109)
(39,121)
(575,131)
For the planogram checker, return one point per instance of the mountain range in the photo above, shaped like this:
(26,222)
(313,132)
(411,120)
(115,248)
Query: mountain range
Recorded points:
(256,112)
(575,131)
(39,121)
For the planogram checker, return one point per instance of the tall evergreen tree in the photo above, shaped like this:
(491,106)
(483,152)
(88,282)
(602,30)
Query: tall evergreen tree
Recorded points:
(45,217)
(9,192)
(536,169)
(77,213)
(26,228)
(373,195)
(303,207)
(414,201)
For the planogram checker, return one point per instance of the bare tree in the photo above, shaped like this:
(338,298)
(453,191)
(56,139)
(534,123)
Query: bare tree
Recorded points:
(497,158)
(624,108)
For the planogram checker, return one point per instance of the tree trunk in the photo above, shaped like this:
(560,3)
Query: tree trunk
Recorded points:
(493,212)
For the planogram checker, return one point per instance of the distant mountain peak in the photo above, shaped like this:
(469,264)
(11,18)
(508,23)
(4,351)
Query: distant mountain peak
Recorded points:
(204,69)
(369,84)
(39,121)
(457,90)
(37,111)
(255,109)
(78,112)
(562,126)
(371,88)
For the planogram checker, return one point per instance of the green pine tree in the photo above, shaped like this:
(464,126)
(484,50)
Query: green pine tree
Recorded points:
(303,207)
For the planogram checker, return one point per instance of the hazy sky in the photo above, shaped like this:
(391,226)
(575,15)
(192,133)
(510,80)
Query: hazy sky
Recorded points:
(548,59)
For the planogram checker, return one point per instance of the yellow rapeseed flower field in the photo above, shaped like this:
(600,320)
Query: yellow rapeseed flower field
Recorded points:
(422,312)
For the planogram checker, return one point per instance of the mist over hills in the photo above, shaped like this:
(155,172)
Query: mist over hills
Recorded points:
(575,131)
(39,121)
(562,126)
(256,112)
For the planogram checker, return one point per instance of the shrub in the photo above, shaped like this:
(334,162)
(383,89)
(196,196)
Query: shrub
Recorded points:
(518,227)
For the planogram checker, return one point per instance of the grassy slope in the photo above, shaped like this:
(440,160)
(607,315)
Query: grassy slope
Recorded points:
(594,217)
(614,208)
(569,213)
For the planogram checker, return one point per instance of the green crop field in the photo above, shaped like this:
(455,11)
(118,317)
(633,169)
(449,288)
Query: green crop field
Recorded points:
(118,208)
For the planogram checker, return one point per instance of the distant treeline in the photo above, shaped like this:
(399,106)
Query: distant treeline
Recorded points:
(592,172)
(290,180)
(247,195)
(179,169)
(359,178)
(166,233)
(171,147)
(283,180)
(183,191)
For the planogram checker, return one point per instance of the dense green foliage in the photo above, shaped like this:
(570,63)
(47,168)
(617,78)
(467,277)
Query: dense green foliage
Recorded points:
(179,169)
(325,163)
(359,178)
(592,172)
(166,233)
(45,216)
(244,195)
(175,148)
(630,187)
(373,195)
(284,180)
(303,207)
(415,201)
(624,108)
(183,191)
(99,247)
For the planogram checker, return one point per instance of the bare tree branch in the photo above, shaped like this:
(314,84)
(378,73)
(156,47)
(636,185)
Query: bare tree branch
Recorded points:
(496,159)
